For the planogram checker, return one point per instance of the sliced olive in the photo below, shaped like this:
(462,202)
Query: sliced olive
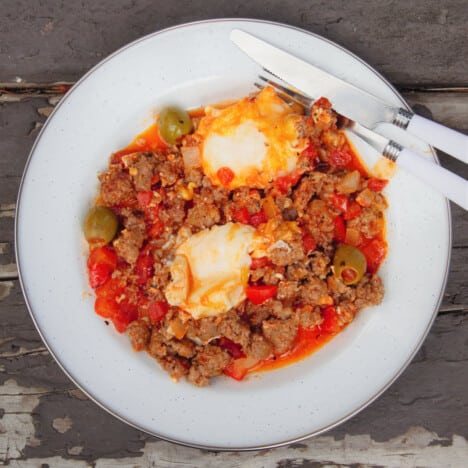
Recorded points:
(173,123)
(100,225)
(349,264)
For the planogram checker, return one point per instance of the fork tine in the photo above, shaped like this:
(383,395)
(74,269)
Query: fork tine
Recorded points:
(294,95)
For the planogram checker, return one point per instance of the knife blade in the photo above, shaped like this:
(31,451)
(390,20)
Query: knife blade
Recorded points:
(347,99)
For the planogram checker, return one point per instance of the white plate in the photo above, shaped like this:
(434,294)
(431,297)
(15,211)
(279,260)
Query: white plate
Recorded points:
(191,65)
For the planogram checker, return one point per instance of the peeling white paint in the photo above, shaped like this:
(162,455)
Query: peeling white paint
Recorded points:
(16,425)
(416,447)
(62,425)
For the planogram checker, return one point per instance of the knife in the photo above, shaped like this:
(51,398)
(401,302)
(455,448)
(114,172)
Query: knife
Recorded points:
(347,99)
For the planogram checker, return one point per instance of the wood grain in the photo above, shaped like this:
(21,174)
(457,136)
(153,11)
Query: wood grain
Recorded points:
(417,42)
(45,421)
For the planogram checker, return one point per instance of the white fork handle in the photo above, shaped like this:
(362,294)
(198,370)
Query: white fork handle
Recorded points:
(443,138)
(454,187)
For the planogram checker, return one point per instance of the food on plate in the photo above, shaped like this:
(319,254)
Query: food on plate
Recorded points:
(236,239)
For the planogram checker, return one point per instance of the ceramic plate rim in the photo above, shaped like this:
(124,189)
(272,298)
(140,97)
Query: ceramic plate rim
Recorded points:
(102,404)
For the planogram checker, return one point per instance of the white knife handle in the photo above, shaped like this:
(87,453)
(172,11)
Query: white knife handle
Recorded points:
(443,138)
(454,187)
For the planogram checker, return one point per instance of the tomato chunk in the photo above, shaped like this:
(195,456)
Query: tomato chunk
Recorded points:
(340,229)
(156,229)
(241,215)
(340,158)
(225,175)
(310,152)
(353,211)
(260,294)
(144,265)
(377,185)
(340,202)
(127,313)
(101,264)
(308,242)
(157,310)
(330,320)
(375,251)
(258,218)
(284,183)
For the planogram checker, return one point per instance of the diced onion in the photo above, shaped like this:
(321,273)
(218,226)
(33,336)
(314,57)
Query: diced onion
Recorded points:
(191,156)
(349,183)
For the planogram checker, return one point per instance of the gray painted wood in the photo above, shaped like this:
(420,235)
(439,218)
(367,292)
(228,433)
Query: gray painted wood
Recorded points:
(417,42)
(44,419)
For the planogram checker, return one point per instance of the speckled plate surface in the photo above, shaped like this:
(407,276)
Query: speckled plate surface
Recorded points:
(192,65)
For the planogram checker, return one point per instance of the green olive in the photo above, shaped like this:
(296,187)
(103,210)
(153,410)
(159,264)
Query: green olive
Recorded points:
(349,264)
(100,225)
(173,123)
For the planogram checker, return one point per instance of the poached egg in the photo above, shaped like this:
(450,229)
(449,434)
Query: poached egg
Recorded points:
(258,139)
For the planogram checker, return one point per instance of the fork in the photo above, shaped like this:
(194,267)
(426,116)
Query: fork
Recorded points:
(452,186)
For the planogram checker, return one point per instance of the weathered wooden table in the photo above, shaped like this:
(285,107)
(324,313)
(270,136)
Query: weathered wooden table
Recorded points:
(421,46)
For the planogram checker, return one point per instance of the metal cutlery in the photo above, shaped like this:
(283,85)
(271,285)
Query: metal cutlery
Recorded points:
(347,99)
(301,75)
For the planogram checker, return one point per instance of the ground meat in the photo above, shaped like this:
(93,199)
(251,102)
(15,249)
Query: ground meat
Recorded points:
(297,272)
(369,223)
(339,291)
(369,291)
(116,186)
(176,366)
(314,292)
(139,334)
(259,348)
(209,362)
(194,175)
(157,346)
(303,194)
(233,328)
(291,253)
(130,240)
(346,312)
(320,222)
(280,333)
(257,313)
(173,213)
(309,316)
(184,348)
(202,215)
(319,264)
(287,290)
(140,167)
(289,214)
(203,330)
(169,172)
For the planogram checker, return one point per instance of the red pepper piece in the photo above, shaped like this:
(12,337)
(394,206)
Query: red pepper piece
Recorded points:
(144,265)
(241,215)
(101,263)
(157,310)
(225,175)
(258,218)
(284,183)
(340,202)
(375,251)
(127,313)
(340,229)
(340,158)
(330,320)
(308,242)
(260,294)
(377,185)
(353,211)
